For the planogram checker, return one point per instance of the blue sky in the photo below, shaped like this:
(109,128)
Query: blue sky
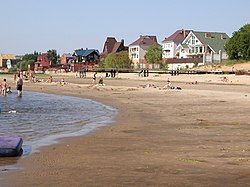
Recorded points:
(65,25)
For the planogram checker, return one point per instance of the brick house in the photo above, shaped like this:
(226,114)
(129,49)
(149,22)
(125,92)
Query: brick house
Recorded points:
(42,62)
(66,58)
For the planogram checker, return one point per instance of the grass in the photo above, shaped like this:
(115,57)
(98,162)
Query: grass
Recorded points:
(190,160)
(233,62)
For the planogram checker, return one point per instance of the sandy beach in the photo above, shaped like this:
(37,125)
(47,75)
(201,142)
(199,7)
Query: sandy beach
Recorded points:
(197,136)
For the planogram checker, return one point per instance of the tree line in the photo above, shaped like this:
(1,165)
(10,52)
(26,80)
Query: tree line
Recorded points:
(238,47)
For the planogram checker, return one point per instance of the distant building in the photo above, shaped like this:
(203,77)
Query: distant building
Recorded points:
(112,46)
(170,44)
(66,58)
(42,62)
(6,60)
(86,55)
(201,44)
(137,50)
(187,48)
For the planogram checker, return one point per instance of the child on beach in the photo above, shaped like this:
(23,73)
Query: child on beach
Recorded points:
(62,82)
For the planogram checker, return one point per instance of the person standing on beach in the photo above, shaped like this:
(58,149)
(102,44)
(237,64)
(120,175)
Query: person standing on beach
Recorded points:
(94,77)
(19,85)
(4,87)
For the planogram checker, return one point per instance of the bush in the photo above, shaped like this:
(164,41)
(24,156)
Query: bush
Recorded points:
(117,60)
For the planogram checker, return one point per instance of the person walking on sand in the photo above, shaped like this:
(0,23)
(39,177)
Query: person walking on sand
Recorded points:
(4,87)
(94,77)
(19,86)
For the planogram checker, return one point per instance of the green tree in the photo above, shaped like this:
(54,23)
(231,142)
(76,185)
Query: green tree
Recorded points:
(118,60)
(27,60)
(52,56)
(238,47)
(154,54)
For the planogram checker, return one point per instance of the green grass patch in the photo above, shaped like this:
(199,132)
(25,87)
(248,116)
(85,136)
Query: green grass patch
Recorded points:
(233,62)
(190,160)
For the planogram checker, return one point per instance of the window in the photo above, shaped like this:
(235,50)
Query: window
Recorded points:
(193,40)
(197,49)
(201,50)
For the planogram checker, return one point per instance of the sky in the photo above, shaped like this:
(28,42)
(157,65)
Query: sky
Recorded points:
(66,25)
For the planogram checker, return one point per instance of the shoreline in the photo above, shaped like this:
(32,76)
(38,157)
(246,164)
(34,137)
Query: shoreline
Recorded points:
(150,142)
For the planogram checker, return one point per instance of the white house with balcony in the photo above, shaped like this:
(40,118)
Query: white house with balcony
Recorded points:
(138,49)
(170,44)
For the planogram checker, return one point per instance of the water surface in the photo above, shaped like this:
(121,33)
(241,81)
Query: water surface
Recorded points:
(40,119)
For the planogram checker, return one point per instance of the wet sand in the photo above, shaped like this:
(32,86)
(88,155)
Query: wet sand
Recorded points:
(197,136)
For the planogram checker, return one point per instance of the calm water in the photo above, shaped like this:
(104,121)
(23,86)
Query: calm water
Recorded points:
(40,119)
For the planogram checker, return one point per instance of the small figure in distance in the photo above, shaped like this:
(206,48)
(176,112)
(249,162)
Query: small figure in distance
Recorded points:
(4,87)
(94,77)
(19,86)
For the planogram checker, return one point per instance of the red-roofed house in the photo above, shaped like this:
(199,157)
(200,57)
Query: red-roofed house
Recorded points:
(112,46)
(138,49)
(42,62)
(169,45)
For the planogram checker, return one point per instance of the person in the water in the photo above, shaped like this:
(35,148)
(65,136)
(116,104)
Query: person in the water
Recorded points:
(19,86)
(4,87)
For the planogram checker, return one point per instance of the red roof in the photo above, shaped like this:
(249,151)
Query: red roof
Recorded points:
(145,40)
(109,45)
(112,46)
(178,37)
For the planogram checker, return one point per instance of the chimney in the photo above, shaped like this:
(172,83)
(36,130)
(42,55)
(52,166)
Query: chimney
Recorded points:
(208,35)
(222,37)
(122,41)
(184,33)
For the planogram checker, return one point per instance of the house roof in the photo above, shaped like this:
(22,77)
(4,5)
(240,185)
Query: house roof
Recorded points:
(112,46)
(7,56)
(68,55)
(178,37)
(109,45)
(216,40)
(184,46)
(145,40)
(85,52)
(116,47)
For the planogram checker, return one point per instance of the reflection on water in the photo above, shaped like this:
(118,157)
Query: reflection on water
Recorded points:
(40,118)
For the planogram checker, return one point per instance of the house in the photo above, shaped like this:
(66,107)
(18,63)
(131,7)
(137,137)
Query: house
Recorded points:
(86,55)
(137,50)
(84,59)
(7,60)
(112,46)
(170,43)
(42,62)
(187,48)
(207,45)
(66,58)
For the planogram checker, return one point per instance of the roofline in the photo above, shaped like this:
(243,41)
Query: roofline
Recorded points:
(187,37)
(211,48)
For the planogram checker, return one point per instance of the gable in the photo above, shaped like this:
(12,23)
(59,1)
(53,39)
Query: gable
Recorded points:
(192,40)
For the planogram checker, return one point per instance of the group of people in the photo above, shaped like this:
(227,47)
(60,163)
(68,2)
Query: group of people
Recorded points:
(143,73)
(5,87)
